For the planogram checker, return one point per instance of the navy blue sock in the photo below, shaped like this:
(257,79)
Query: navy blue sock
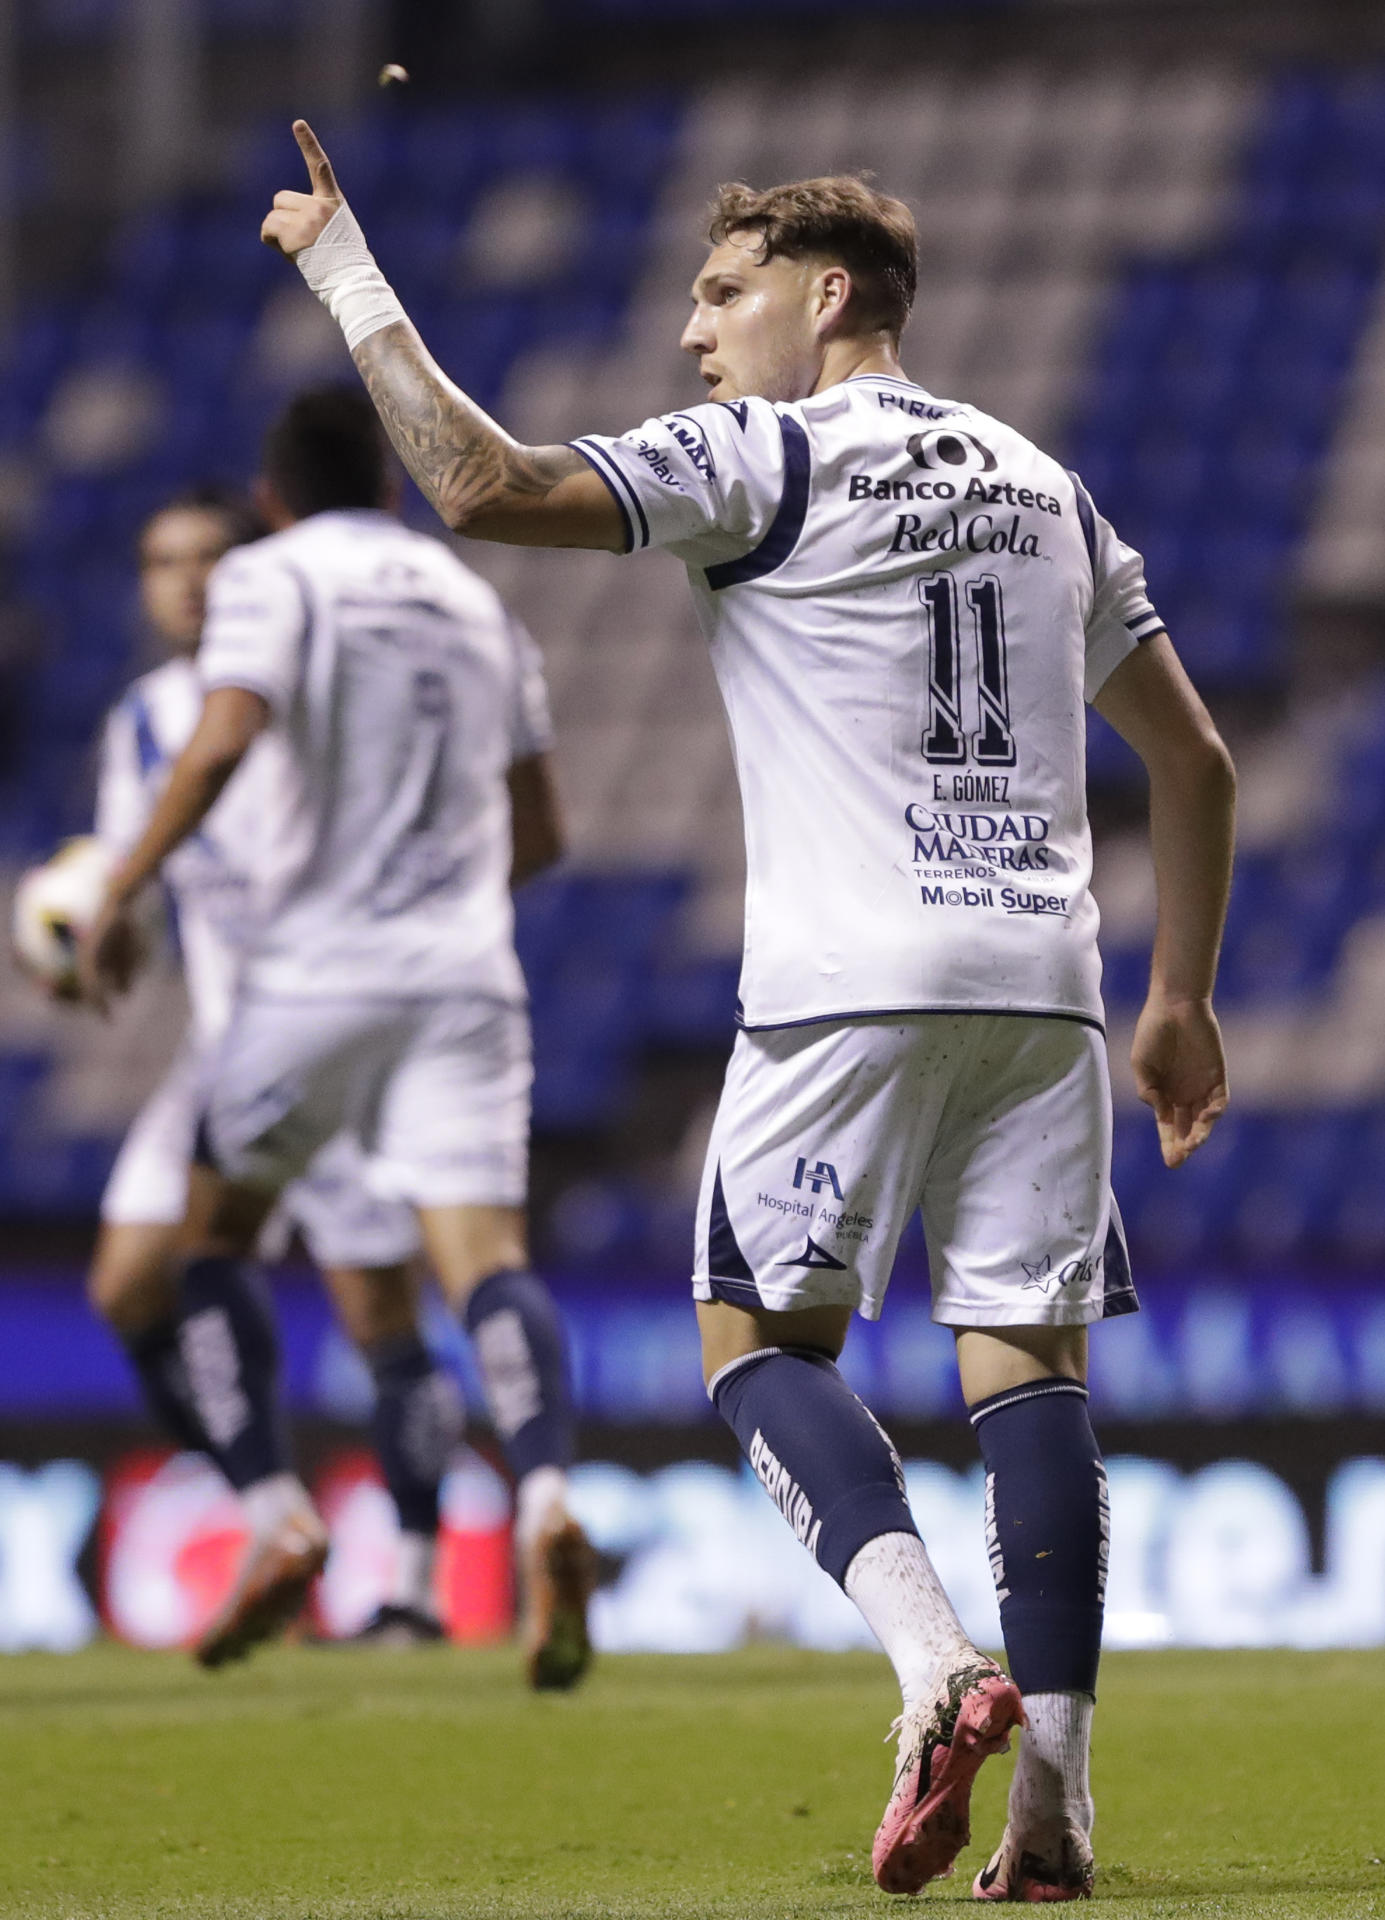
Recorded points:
(1047,1531)
(157,1359)
(821,1455)
(230,1350)
(417,1422)
(521,1353)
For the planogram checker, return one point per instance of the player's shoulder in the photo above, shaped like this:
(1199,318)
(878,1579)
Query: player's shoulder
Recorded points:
(170,679)
(708,431)
(446,574)
(157,710)
(255,559)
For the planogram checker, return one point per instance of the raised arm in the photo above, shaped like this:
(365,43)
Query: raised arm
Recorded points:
(1177,1055)
(480,480)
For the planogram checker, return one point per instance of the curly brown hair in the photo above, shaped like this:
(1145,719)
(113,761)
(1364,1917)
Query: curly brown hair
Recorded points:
(840,218)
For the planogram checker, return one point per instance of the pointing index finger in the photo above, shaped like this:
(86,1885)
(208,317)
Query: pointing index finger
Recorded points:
(319,166)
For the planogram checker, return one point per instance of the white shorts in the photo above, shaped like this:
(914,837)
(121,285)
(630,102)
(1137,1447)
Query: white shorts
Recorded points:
(344,1223)
(997,1126)
(437,1091)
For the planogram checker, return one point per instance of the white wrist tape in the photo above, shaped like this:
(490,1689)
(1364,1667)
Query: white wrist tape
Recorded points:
(341,270)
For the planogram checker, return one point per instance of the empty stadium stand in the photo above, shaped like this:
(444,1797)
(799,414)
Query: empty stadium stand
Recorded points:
(1187,303)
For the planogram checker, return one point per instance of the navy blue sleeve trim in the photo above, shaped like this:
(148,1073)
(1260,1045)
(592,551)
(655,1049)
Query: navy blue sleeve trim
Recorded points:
(1086,513)
(620,489)
(787,523)
(1146,625)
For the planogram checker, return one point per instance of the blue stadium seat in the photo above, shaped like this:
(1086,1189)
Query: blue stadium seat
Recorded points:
(693,1004)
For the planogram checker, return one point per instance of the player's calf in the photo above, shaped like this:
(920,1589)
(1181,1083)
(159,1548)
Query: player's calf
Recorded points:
(1047,1532)
(229,1349)
(521,1353)
(133,1286)
(417,1423)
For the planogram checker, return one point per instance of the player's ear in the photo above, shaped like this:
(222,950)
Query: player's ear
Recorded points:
(833,297)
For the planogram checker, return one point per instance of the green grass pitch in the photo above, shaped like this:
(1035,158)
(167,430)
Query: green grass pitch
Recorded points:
(320,1784)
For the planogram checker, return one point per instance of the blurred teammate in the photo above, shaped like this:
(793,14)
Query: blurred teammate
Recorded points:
(906,603)
(177,1335)
(405,721)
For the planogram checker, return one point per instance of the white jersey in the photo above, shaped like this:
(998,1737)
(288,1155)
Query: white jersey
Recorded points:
(400,693)
(207,878)
(906,602)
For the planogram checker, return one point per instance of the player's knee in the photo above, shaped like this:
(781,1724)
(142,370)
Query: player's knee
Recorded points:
(128,1294)
(222,1218)
(108,1288)
(467,1244)
(729,1333)
(995,1359)
(374,1304)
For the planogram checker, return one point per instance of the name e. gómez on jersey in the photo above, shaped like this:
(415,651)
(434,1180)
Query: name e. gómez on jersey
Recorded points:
(907,603)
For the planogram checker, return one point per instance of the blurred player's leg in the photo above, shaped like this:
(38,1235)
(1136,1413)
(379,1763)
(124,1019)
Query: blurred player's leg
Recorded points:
(134,1279)
(230,1350)
(480,1255)
(453,1137)
(366,1249)
(133,1285)
(417,1423)
(832,1472)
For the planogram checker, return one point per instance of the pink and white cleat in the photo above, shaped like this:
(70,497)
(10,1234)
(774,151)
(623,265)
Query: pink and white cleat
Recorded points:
(270,1590)
(1031,1867)
(941,1748)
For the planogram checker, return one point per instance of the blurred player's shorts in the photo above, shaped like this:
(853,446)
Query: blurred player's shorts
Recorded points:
(343,1220)
(437,1091)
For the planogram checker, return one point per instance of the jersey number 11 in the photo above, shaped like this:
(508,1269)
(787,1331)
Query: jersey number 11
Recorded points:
(945,741)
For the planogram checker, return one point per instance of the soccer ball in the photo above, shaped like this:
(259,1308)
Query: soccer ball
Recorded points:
(54,905)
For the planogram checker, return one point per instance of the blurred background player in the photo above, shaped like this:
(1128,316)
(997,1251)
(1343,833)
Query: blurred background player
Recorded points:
(364,1246)
(403,721)
(907,603)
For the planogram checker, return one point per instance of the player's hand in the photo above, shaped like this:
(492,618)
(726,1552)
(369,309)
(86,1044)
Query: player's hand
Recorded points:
(109,955)
(297,219)
(1180,1071)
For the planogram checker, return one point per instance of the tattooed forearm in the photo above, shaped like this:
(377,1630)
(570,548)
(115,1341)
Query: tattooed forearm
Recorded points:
(464,463)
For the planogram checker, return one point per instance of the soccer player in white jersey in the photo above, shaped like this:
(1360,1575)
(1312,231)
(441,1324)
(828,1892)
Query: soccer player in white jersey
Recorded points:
(907,603)
(364,1246)
(398,723)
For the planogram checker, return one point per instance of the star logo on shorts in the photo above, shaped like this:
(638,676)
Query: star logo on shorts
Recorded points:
(816,1257)
(1040,1275)
(1043,1277)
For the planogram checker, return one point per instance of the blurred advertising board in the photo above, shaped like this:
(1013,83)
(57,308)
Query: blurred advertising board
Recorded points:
(1241,1419)
(148,1549)
(1227,1551)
